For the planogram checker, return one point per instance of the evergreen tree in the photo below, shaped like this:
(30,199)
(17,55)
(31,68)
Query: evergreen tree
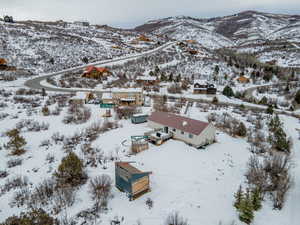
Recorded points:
(156,70)
(171,77)
(239,195)
(70,171)
(242,130)
(215,100)
(264,101)
(246,209)
(227,91)
(163,77)
(270,109)
(44,92)
(151,73)
(256,198)
(16,143)
(217,69)
(297,97)
(275,123)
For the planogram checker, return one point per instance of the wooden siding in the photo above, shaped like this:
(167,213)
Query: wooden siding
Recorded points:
(140,185)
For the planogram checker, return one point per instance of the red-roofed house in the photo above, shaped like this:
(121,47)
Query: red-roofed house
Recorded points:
(95,72)
(192,132)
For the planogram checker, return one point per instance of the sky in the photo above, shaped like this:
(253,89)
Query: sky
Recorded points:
(130,13)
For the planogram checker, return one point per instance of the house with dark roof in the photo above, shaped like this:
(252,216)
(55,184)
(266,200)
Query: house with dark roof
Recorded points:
(191,131)
(131,180)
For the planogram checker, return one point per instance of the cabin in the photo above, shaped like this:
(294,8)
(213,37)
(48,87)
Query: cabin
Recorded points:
(128,96)
(131,180)
(203,87)
(147,80)
(243,80)
(211,89)
(200,86)
(193,132)
(139,118)
(96,72)
(107,101)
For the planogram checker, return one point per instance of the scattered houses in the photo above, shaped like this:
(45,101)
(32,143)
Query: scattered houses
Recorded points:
(190,131)
(131,180)
(203,87)
(96,72)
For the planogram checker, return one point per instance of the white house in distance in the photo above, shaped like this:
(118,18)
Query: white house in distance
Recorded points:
(190,131)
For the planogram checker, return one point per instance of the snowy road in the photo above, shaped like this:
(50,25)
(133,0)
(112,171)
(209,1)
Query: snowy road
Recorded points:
(35,83)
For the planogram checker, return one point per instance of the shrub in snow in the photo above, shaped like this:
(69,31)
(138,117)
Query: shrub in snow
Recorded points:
(31,125)
(16,142)
(70,171)
(14,162)
(77,114)
(175,89)
(272,176)
(149,203)
(45,111)
(175,219)
(13,183)
(100,190)
(3,173)
(33,217)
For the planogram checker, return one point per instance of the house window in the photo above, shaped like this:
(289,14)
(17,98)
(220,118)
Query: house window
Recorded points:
(182,132)
(191,136)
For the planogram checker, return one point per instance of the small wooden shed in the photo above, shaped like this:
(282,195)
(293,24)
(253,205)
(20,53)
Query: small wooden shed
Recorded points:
(139,118)
(131,180)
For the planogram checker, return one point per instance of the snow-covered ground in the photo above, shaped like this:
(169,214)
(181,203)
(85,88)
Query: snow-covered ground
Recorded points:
(196,183)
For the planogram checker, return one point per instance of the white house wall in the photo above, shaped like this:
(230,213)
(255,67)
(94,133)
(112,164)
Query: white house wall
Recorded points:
(206,136)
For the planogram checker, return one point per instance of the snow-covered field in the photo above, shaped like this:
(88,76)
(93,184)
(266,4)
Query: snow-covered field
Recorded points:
(197,183)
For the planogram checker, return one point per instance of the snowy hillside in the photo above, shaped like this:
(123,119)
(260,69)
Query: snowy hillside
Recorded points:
(53,46)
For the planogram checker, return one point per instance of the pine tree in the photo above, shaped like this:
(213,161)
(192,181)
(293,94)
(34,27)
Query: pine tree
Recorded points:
(239,195)
(227,91)
(70,171)
(16,143)
(270,109)
(241,131)
(256,198)
(171,77)
(297,97)
(246,209)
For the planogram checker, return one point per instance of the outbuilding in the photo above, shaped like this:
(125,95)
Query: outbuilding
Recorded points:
(131,180)
(139,118)
(190,131)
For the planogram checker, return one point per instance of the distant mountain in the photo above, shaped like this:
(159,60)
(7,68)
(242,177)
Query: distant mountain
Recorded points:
(235,30)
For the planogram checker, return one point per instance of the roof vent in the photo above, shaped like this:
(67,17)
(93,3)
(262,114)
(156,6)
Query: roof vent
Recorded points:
(184,123)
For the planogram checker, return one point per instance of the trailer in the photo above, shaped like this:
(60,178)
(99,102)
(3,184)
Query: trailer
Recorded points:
(139,118)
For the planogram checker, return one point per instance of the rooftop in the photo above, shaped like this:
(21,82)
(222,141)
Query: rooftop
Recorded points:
(126,165)
(178,122)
